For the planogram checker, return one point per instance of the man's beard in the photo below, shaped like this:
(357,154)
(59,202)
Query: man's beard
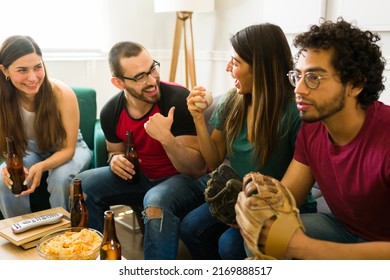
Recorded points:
(327,109)
(141,96)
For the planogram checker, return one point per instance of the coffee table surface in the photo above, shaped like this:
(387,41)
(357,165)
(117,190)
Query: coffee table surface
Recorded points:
(10,251)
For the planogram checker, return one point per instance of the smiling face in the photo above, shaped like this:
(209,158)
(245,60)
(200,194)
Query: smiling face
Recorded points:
(241,72)
(135,66)
(27,74)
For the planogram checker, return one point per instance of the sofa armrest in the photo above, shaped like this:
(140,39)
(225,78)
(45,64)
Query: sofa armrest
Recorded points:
(100,156)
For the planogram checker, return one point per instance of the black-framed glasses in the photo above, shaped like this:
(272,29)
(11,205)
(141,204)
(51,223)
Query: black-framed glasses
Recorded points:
(143,77)
(312,80)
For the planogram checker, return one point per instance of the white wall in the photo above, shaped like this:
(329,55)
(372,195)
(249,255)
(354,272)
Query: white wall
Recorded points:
(135,20)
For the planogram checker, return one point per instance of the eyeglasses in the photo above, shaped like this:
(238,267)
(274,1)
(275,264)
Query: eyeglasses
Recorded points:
(143,77)
(312,80)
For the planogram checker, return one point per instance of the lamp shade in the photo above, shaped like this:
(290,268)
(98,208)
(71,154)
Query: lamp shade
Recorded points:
(164,6)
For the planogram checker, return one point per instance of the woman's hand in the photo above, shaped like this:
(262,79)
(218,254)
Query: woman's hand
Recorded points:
(8,182)
(34,176)
(196,95)
(6,177)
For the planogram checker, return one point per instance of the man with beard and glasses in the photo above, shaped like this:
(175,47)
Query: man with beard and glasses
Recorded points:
(343,144)
(172,174)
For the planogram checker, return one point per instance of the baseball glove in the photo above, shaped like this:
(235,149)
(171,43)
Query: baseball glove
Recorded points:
(221,193)
(264,198)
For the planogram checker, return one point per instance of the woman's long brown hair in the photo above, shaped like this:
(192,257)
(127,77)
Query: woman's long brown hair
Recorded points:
(49,130)
(265,48)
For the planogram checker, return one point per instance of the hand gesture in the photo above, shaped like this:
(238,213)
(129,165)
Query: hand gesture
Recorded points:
(159,127)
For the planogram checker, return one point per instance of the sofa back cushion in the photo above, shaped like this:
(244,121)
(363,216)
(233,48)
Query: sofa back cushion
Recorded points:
(87,105)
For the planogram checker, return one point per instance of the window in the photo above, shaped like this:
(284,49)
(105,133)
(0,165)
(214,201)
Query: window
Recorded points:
(56,25)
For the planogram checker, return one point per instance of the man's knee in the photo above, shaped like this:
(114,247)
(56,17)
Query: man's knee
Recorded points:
(153,212)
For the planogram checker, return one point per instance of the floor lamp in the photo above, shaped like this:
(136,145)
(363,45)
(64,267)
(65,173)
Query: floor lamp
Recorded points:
(184,10)
(184,22)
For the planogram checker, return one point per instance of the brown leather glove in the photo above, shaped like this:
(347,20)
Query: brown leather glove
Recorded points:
(221,193)
(264,198)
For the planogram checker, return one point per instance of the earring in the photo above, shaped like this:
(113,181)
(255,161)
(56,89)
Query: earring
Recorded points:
(7,78)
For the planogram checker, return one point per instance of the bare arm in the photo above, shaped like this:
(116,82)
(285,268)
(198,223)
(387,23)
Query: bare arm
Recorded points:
(183,151)
(299,180)
(303,247)
(213,148)
(69,110)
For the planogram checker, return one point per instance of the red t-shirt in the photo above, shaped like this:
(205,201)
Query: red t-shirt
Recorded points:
(154,162)
(354,178)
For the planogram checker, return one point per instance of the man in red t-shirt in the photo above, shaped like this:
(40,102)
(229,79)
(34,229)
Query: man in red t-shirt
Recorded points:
(172,172)
(344,145)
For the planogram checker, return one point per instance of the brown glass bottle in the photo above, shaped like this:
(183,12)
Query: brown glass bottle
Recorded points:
(132,155)
(15,167)
(111,247)
(78,207)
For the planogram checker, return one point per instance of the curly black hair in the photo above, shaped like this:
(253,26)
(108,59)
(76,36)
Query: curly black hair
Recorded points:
(357,57)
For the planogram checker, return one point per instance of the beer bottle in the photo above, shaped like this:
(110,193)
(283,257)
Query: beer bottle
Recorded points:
(110,248)
(78,208)
(15,167)
(132,155)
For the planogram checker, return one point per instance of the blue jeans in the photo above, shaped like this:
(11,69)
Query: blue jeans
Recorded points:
(206,238)
(58,180)
(201,233)
(325,226)
(176,196)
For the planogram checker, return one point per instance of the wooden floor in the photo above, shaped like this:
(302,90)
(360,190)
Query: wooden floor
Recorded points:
(132,239)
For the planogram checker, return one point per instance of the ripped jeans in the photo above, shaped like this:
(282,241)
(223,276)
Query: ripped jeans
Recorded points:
(173,197)
(176,196)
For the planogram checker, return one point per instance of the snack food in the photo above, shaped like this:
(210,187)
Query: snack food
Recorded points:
(71,244)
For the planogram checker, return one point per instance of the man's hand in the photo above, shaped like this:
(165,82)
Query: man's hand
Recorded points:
(159,127)
(122,167)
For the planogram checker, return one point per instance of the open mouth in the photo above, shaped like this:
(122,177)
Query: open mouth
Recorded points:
(150,90)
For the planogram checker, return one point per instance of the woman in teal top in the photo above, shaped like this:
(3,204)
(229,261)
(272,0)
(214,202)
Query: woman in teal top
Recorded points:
(255,127)
(241,160)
